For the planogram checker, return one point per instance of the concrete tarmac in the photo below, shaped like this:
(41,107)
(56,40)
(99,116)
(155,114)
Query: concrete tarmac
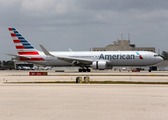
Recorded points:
(82,101)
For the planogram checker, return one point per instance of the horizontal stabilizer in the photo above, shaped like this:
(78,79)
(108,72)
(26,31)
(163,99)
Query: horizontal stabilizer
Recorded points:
(19,56)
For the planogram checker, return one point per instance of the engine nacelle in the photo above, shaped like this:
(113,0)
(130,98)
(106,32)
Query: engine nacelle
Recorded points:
(101,65)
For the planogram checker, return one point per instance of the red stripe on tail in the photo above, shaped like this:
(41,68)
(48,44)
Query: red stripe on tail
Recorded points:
(20,47)
(13,35)
(28,53)
(16,41)
(10,29)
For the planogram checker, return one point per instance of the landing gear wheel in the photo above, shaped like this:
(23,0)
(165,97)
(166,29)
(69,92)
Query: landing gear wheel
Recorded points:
(149,70)
(80,70)
(88,70)
(84,70)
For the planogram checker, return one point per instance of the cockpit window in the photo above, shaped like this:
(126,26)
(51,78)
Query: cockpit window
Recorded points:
(155,55)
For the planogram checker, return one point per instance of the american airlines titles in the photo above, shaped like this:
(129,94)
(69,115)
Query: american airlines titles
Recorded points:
(116,57)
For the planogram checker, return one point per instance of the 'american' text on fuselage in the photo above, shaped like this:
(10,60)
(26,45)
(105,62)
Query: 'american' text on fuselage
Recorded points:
(119,56)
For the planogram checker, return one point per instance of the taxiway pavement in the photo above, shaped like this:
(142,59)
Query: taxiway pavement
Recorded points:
(83,101)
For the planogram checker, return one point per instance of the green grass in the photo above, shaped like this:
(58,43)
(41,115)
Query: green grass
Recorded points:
(90,82)
(92,75)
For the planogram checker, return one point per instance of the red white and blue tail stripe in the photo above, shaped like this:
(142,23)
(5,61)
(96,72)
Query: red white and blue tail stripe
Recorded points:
(24,48)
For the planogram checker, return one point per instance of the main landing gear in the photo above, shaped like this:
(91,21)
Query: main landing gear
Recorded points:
(84,70)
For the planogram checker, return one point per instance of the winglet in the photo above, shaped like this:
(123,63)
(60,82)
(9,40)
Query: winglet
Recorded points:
(45,51)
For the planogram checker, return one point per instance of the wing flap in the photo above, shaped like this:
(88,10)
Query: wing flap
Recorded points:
(72,59)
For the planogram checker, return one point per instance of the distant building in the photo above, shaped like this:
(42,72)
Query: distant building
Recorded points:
(123,45)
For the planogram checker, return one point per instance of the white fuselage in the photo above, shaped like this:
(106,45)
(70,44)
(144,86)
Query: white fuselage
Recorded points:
(114,58)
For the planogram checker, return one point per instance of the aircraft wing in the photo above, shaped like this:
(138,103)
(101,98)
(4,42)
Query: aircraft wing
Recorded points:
(67,59)
(72,59)
(76,60)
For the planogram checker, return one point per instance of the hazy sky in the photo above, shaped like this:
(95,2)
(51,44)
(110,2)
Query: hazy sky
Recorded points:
(83,24)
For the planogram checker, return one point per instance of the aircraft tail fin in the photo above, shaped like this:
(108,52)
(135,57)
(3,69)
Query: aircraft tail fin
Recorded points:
(22,45)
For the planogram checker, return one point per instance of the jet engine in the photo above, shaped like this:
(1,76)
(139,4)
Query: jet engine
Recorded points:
(101,65)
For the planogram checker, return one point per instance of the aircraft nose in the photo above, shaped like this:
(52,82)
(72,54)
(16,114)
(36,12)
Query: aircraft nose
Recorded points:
(160,59)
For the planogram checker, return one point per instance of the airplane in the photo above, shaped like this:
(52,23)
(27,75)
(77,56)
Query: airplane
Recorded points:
(99,60)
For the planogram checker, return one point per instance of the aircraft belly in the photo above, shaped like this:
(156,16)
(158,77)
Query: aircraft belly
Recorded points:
(135,62)
(123,62)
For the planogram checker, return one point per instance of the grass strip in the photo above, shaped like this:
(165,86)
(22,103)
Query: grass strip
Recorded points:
(90,82)
(92,75)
